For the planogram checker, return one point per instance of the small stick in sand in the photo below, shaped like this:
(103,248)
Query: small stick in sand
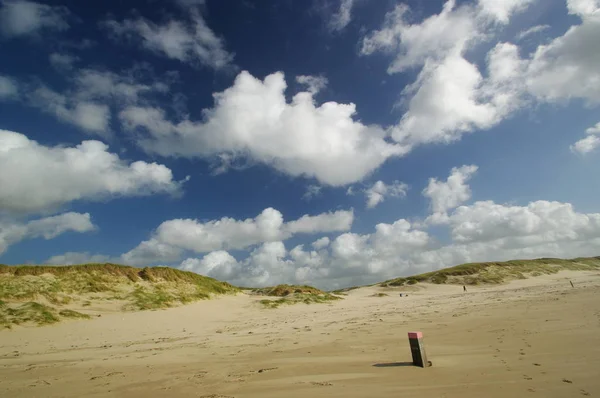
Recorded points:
(571,282)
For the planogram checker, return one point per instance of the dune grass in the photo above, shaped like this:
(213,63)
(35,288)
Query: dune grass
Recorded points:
(298,298)
(138,288)
(30,312)
(292,294)
(379,295)
(497,272)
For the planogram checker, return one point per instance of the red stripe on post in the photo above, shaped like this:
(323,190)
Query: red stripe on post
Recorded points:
(415,335)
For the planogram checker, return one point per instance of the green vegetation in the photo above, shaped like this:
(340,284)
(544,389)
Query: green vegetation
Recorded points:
(39,314)
(73,314)
(291,294)
(286,290)
(379,295)
(497,272)
(297,298)
(138,289)
(345,290)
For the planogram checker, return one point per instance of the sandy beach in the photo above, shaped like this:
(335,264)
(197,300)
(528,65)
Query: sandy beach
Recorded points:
(533,337)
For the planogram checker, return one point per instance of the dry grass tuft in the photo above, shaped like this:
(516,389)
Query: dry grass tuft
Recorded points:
(497,272)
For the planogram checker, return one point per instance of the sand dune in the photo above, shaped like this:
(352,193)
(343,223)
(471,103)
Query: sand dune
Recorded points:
(533,337)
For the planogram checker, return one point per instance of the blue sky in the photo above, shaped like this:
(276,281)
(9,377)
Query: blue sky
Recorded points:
(329,142)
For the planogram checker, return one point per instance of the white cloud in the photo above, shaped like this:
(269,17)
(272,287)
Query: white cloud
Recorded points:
(583,7)
(342,16)
(379,191)
(253,119)
(450,96)
(152,251)
(531,31)
(567,67)
(313,83)
(451,193)
(194,42)
(340,220)
(435,38)
(320,243)
(172,237)
(48,228)
(22,18)
(91,117)
(484,231)
(350,259)
(311,192)
(36,178)
(218,264)
(101,85)
(538,222)
(86,103)
(502,10)
(589,143)
(62,62)
(9,88)
(70,258)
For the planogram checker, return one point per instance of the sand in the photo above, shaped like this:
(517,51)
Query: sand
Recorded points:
(535,337)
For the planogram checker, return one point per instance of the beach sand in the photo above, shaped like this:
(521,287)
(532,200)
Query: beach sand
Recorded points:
(534,337)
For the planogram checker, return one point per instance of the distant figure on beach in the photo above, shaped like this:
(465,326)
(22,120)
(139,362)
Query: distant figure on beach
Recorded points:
(571,282)
(464,288)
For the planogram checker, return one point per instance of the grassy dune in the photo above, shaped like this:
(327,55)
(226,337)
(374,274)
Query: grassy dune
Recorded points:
(44,295)
(497,272)
(291,294)
(47,294)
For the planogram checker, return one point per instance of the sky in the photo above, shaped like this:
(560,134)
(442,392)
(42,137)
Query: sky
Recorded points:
(322,142)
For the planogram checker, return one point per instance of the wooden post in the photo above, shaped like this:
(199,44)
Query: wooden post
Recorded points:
(417,348)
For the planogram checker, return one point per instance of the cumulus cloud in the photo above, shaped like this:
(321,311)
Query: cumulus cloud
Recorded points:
(91,117)
(502,10)
(450,96)
(12,232)
(446,195)
(9,88)
(342,17)
(379,191)
(483,231)
(314,84)
(94,84)
(86,103)
(253,119)
(436,37)
(172,237)
(453,95)
(590,142)
(70,258)
(321,243)
(62,62)
(583,7)
(190,42)
(23,18)
(349,259)
(37,178)
(567,67)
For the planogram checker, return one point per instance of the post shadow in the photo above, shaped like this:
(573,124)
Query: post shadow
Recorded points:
(393,364)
